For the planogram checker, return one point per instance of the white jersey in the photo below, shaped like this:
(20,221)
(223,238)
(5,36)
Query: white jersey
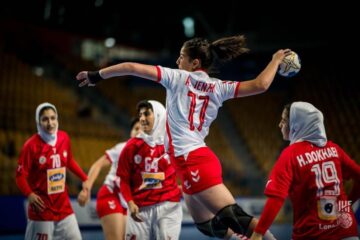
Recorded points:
(192,103)
(113,155)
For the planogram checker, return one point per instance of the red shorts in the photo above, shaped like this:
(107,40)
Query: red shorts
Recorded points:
(108,202)
(199,171)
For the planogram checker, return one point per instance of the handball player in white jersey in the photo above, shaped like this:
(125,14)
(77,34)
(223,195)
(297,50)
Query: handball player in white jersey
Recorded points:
(111,212)
(193,99)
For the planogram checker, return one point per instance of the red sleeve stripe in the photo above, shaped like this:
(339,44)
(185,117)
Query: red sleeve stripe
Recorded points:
(236,89)
(108,157)
(158,74)
(171,147)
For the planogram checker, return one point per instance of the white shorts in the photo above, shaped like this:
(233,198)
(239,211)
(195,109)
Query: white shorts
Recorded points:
(67,228)
(161,222)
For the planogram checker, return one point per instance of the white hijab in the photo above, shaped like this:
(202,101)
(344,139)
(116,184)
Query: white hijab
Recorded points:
(306,124)
(156,137)
(45,136)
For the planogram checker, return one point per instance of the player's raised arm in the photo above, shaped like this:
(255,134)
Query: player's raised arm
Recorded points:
(90,78)
(263,81)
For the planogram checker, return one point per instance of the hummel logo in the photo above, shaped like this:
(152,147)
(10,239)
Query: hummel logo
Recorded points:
(196,179)
(195,175)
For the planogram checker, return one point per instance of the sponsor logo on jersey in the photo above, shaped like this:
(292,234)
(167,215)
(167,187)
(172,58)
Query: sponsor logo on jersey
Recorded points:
(56,180)
(56,177)
(152,180)
(65,154)
(42,160)
(137,159)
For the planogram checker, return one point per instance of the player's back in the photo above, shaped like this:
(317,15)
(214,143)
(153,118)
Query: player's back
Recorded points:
(193,101)
(317,192)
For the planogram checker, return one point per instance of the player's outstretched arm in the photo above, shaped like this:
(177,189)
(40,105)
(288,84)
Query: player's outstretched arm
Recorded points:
(91,78)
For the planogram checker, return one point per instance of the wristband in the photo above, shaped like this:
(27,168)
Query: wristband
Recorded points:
(94,77)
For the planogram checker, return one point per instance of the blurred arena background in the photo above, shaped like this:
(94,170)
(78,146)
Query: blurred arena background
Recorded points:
(44,43)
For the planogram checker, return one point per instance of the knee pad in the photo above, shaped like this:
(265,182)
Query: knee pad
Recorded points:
(212,228)
(234,217)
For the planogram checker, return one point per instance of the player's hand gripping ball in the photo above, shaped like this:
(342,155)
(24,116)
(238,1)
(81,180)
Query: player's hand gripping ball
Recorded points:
(290,65)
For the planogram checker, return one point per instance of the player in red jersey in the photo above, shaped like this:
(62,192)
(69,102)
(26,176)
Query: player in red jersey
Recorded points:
(148,180)
(193,99)
(41,175)
(311,172)
(110,210)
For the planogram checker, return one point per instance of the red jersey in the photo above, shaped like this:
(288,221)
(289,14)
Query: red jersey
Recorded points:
(42,170)
(313,178)
(147,175)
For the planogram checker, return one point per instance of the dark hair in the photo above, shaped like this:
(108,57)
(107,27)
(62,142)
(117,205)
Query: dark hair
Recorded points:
(287,108)
(134,121)
(143,104)
(46,108)
(219,51)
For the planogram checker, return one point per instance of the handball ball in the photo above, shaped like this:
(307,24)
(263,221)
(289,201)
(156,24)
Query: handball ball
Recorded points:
(290,65)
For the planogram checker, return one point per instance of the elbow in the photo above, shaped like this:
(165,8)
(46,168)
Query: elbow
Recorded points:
(128,68)
(262,87)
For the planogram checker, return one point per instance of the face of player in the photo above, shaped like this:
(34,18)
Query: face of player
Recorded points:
(284,124)
(146,116)
(135,129)
(185,63)
(49,121)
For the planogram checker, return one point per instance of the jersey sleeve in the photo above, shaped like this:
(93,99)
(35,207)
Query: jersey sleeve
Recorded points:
(271,209)
(169,78)
(124,171)
(23,169)
(350,170)
(281,177)
(228,89)
(113,154)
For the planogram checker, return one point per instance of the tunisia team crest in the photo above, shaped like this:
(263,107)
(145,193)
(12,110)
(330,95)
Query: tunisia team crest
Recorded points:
(137,159)
(42,160)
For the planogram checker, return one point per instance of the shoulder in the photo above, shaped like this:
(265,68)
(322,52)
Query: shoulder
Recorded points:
(62,134)
(167,73)
(133,144)
(332,144)
(288,150)
(32,141)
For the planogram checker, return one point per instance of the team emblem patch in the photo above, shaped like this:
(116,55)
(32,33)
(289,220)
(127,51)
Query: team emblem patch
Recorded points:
(137,159)
(112,204)
(42,160)
(345,220)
